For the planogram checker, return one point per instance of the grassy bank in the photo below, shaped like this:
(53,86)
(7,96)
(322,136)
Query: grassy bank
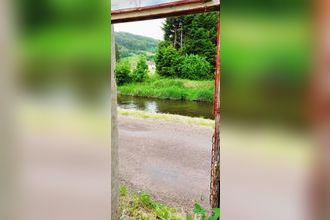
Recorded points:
(175,89)
(167,117)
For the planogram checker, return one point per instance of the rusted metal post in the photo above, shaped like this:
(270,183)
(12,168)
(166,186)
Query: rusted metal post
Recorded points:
(114,134)
(215,161)
(320,103)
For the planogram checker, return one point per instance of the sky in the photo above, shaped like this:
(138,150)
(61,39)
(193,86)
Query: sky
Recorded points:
(149,28)
(120,4)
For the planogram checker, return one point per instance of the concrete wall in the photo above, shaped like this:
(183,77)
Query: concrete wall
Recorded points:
(114,134)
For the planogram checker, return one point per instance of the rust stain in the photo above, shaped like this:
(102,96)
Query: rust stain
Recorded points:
(215,156)
(145,13)
(159,6)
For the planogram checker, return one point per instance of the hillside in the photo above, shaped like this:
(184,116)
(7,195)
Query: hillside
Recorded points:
(131,44)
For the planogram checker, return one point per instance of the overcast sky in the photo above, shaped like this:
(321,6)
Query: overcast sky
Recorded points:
(150,28)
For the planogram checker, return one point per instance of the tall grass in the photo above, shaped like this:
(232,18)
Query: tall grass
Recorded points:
(175,89)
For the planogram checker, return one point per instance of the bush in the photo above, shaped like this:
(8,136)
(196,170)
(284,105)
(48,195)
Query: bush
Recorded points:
(195,67)
(141,71)
(204,95)
(168,60)
(123,71)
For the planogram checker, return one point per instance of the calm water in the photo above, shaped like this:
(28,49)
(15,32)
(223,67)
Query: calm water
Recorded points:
(186,108)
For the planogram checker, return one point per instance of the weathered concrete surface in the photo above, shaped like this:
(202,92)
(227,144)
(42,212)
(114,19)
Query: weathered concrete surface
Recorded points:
(264,175)
(114,133)
(65,174)
(171,161)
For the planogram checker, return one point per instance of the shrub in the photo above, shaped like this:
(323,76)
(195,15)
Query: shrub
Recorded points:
(123,71)
(141,71)
(168,60)
(196,67)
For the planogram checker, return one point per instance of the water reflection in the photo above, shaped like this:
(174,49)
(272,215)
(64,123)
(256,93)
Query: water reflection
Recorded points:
(186,108)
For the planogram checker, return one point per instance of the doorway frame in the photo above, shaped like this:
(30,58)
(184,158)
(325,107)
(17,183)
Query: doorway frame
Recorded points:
(177,8)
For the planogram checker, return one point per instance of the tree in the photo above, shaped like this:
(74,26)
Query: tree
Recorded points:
(168,60)
(141,71)
(196,32)
(117,53)
(173,29)
(195,67)
(123,71)
(200,44)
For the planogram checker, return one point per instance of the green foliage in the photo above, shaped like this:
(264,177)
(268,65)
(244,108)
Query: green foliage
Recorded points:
(198,209)
(168,60)
(123,71)
(141,71)
(173,29)
(117,52)
(198,34)
(185,38)
(142,206)
(196,67)
(175,89)
(123,191)
(201,213)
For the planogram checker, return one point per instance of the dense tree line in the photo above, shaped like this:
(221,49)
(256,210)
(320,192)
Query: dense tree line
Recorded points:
(189,47)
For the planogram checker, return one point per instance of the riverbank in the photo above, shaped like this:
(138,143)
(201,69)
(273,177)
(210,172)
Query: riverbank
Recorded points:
(174,89)
(167,117)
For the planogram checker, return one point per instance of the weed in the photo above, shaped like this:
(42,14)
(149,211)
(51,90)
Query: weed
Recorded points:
(200,213)
(142,206)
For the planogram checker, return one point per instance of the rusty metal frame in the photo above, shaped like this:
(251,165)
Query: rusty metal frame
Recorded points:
(176,8)
(319,112)
(215,155)
(152,7)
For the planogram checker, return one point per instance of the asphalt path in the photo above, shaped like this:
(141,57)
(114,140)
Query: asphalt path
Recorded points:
(170,161)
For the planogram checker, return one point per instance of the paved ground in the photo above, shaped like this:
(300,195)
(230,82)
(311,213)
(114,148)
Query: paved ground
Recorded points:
(264,175)
(65,171)
(171,161)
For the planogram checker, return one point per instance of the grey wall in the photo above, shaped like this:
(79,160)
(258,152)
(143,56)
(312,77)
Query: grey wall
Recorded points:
(114,134)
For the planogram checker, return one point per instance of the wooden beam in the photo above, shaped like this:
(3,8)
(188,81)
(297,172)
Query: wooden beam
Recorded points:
(164,10)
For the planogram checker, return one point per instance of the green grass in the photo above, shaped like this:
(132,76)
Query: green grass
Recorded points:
(142,206)
(174,89)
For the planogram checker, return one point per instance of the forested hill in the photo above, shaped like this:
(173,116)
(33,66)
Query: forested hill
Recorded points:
(131,44)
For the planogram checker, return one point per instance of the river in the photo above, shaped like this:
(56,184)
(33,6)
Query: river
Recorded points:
(186,108)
